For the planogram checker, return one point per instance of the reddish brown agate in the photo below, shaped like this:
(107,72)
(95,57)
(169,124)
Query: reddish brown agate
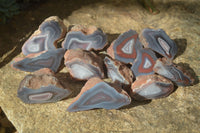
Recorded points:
(143,64)
(125,47)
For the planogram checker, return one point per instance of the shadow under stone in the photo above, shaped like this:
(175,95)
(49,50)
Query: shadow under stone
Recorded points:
(190,72)
(69,82)
(181,44)
(135,103)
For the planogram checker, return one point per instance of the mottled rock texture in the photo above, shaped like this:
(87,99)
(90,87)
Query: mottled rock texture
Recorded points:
(177,113)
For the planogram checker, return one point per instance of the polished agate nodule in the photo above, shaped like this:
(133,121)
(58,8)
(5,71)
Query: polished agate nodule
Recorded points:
(125,47)
(46,37)
(118,72)
(83,64)
(98,94)
(47,59)
(86,38)
(41,88)
(148,87)
(143,64)
(159,42)
(173,72)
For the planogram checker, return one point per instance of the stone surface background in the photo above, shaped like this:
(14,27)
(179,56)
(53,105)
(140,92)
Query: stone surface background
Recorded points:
(180,112)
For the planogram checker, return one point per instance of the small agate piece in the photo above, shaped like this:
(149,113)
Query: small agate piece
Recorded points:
(173,72)
(125,47)
(118,71)
(148,87)
(143,64)
(159,42)
(46,59)
(83,65)
(46,37)
(98,94)
(85,38)
(41,87)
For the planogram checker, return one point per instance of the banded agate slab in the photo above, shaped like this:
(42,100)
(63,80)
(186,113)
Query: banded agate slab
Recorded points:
(125,47)
(46,59)
(85,38)
(99,94)
(42,88)
(173,72)
(159,42)
(46,37)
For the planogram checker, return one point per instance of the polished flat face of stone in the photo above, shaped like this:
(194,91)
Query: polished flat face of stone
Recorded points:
(83,64)
(125,47)
(143,64)
(173,72)
(151,87)
(45,94)
(45,37)
(46,59)
(159,42)
(41,87)
(77,39)
(118,71)
(82,71)
(100,95)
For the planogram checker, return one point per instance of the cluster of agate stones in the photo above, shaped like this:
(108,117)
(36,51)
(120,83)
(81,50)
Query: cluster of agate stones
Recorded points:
(140,67)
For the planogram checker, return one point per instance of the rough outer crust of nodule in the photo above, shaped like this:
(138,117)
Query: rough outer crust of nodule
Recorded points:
(86,59)
(36,86)
(159,42)
(125,47)
(45,59)
(86,38)
(144,87)
(173,72)
(95,85)
(116,68)
(49,33)
(143,64)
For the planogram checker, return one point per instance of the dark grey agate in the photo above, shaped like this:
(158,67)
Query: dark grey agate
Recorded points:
(143,64)
(122,38)
(57,94)
(159,42)
(77,39)
(110,99)
(50,32)
(172,72)
(49,59)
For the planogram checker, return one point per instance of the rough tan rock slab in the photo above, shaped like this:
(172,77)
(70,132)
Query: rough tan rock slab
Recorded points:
(177,113)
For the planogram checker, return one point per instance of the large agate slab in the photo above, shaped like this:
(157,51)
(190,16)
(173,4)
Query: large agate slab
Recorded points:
(125,47)
(143,64)
(118,72)
(159,42)
(173,72)
(46,37)
(86,38)
(151,87)
(41,88)
(47,59)
(83,64)
(98,94)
